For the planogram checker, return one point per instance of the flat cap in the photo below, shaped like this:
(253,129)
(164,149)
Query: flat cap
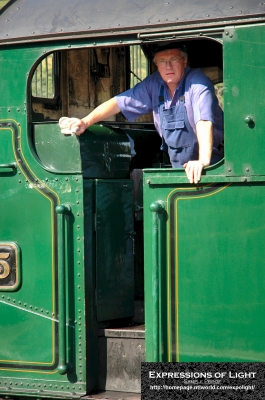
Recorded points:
(169,46)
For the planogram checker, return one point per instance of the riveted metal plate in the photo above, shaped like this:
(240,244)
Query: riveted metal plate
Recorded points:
(10,266)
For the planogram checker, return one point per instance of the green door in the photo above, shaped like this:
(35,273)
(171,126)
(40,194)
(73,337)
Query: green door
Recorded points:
(114,249)
(206,249)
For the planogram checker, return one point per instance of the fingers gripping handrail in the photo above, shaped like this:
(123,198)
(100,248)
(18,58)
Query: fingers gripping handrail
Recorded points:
(157,207)
(62,210)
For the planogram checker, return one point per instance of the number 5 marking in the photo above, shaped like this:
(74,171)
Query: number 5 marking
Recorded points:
(4,266)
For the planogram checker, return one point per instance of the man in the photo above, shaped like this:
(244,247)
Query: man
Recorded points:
(185,109)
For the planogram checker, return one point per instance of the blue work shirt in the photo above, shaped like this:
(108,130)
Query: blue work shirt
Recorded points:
(200,101)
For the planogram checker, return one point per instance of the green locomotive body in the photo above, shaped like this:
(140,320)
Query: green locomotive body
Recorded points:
(72,280)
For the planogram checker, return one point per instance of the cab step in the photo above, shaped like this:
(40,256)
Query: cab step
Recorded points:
(121,351)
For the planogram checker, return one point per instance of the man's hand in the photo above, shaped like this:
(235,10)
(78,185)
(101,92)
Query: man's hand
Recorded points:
(193,170)
(204,132)
(72,126)
(77,126)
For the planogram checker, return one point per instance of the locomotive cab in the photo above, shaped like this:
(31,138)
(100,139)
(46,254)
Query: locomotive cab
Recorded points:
(73,82)
(108,256)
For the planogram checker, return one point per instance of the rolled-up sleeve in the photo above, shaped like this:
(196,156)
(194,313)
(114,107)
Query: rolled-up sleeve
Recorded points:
(135,102)
(202,98)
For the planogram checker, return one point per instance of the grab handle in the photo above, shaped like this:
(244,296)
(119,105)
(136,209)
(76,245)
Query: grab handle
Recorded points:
(157,207)
(62,211)
(12,166)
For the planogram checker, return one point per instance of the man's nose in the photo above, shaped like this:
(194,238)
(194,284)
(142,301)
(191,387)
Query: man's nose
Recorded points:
(168,64)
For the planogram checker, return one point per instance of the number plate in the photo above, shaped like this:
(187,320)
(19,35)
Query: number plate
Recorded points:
(9,266)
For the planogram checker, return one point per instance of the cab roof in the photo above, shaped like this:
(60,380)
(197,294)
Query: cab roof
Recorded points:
(45,20)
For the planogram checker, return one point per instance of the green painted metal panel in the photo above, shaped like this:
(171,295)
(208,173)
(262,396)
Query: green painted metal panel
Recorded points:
(47,140)
(105,152)
(209,302)
(244,58)
(33,331)
(114,249)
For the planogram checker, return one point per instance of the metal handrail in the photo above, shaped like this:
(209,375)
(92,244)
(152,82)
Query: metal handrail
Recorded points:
(61,211)
(157,207)
(13,166)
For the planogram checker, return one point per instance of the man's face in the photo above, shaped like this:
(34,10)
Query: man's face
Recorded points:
(171,65)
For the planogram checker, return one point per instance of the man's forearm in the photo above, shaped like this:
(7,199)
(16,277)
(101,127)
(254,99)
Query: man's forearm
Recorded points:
(103,111)
(204,131)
